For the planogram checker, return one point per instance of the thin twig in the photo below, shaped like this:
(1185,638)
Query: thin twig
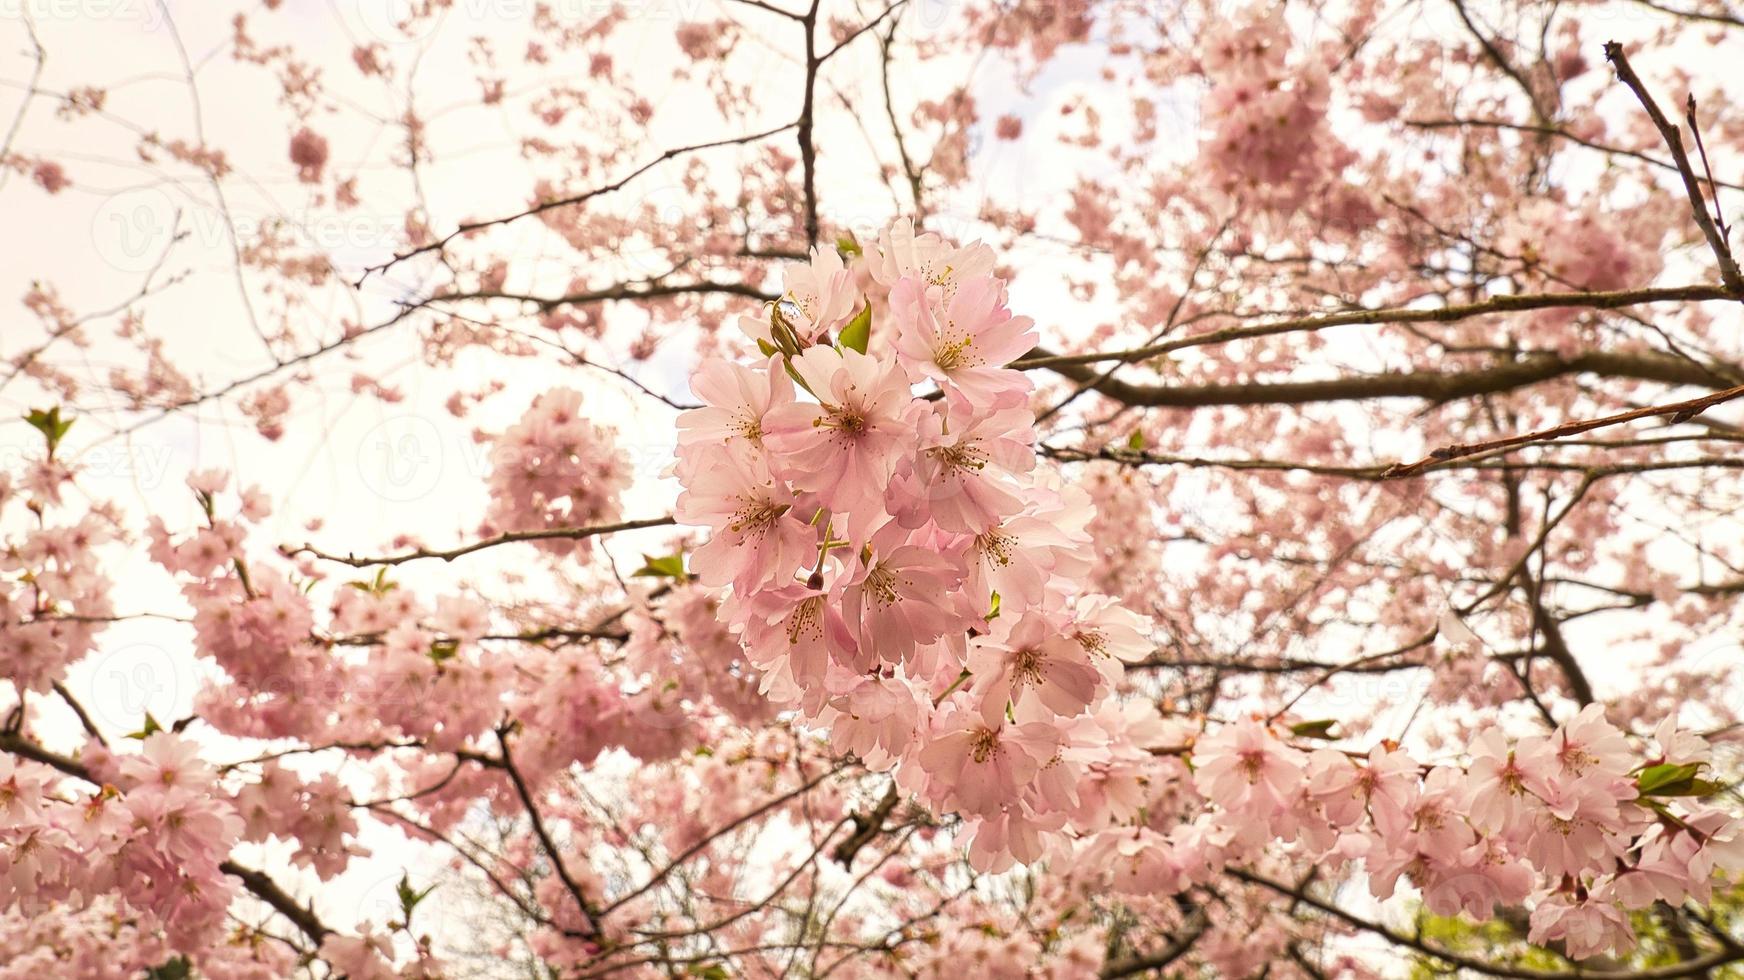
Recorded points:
(541,534)
(1729,273)
(1678,411)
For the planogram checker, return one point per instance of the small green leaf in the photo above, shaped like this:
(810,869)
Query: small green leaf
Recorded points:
(709,971)
(767,348)
(150,728)
(1320,728)
(1673,780)
(847,246)
(858,333)
(993,613)
(377,586)
(409,896)
(176,969)
(444,649)
(669,566)
(1136,441)
(50,424)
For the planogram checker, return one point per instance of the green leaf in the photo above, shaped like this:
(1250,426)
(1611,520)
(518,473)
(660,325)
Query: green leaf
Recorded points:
(409,896)
(709,971)
(1136,441)
(847,246)
(767,348)
(670,566)
(858,333)
(151,727)
(1320,728)
(993,613)
(176,969)
(378,586)
(50,424)
(444,649)
(1673,780)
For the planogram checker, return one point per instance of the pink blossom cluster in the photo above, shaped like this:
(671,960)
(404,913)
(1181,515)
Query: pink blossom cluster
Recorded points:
(907,577)
(893,561)
(1584,247)
(554,469)
(1267,116)
(53,595)
(150,828)
(1582,824)
(102,941)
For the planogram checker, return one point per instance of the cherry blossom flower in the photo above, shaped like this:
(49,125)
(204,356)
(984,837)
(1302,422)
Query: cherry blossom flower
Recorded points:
(899,599)
(1245,768)
(979,766)
(965,341)
(962,478)
(758,539)
(737,399)
(1586,926)
(900,253)
(1032,662)
(844,446)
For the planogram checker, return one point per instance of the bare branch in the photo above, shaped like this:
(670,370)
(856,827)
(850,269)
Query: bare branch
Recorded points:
(542,534)
(1677,412)
(1729,273)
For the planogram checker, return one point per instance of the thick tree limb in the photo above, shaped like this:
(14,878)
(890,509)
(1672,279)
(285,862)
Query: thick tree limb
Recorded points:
(1435,386)
(1504,303)
(268,891)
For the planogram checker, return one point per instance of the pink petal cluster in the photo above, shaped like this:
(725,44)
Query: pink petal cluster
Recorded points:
(904,575)
(554,468)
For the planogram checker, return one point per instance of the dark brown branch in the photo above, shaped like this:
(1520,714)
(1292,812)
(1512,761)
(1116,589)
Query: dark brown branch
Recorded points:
(1677,412)
(867,827)
(79,710)
(1434,386)
(268,891)
(1506,303)
(557,865)
(1182,941)
(1555,132)
(625,292)
(1729,273)
(543,534)
(807,145)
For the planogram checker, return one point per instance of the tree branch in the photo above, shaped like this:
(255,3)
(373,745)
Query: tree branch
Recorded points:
(542,534)
(1729,273)
(1435,386)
